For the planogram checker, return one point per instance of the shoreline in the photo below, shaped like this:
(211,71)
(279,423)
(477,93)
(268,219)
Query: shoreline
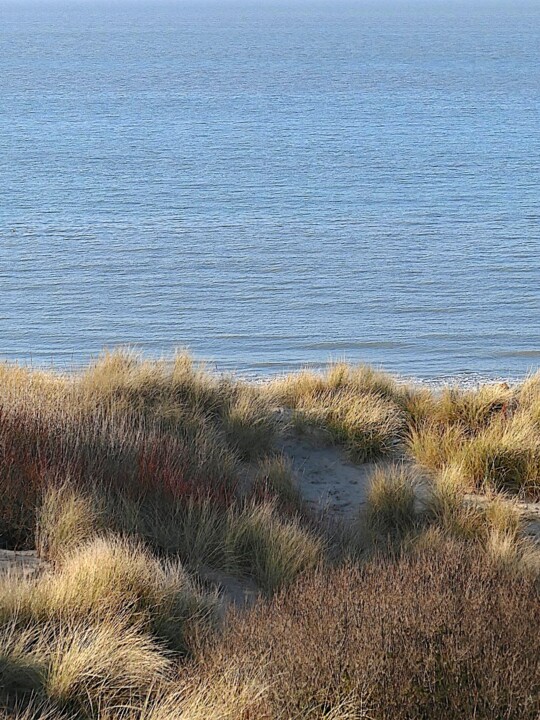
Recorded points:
(465,380)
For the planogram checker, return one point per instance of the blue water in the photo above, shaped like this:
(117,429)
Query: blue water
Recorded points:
(272,185)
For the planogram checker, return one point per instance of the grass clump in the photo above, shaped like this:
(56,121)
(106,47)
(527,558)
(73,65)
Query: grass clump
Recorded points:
(433,446)
(107,663)
(249,424)
(449,508)
(473,410)
(273,549)
(391,500)
(489,434)
(78,666)
(99,629)
(503,458)
(66,518)
(275,481)
(359,407)
(110,577)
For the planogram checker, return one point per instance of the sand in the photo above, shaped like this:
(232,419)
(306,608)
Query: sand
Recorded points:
(327,479)
(24,561)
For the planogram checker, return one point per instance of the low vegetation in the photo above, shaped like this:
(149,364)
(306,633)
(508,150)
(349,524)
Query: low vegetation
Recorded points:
(424,635)
(137,481)
(489,437)
(391,501)
(357,406)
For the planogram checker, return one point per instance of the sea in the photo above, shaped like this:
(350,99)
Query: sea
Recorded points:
(272,185)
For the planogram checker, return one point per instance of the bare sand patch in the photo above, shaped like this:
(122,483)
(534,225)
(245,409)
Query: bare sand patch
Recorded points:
(26,562)
(326,478)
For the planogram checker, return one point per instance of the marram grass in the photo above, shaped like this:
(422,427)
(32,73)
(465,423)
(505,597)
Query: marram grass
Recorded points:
(133,476)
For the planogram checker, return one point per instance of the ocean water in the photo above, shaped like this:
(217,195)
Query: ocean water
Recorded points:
(272,184)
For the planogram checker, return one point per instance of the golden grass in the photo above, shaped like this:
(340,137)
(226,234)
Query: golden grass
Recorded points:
(275,550)
(489,437)
(125,428)
(500,457)
(108,578)
(248,423)
(66,519)
(465,517)
(503,457)
(293,389)
(433,446)
(129,475)
(391,500)
(78,663)
(358,406)
(472,409)
(108,662)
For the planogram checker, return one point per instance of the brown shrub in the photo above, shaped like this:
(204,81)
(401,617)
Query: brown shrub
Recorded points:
(442,633)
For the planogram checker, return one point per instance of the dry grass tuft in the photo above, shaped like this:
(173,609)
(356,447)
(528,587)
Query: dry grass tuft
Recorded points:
(489,434)
(104,664)
(109,578)
(433,446)
(503,458)
(391,500)
(272,549)
(473,410)
(249,425)
(125,428)
(66,518)
(358,406)
(463,517)
(275,481)
(80,665)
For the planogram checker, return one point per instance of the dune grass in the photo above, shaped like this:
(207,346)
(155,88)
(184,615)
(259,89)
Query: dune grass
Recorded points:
(359,407)
(489,437)
(132,475)
(66,517)
(391,500)
(275,481)
(109,578)
(126,427)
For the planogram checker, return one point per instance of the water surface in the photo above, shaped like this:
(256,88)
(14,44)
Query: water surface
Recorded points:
(272,185)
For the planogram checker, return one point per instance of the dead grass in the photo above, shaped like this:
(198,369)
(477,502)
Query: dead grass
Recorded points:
(66,518)
(77,664)
(108,663)
(275,550)
(128,476)
(109,578)
(464,517)
(488,436)
(249,424)
(473,409)
(500,457)
(127,427)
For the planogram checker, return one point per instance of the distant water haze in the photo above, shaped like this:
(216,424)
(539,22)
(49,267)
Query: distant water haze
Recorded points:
(272,184)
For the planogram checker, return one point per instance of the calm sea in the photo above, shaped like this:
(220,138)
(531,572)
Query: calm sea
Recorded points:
(272,185)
